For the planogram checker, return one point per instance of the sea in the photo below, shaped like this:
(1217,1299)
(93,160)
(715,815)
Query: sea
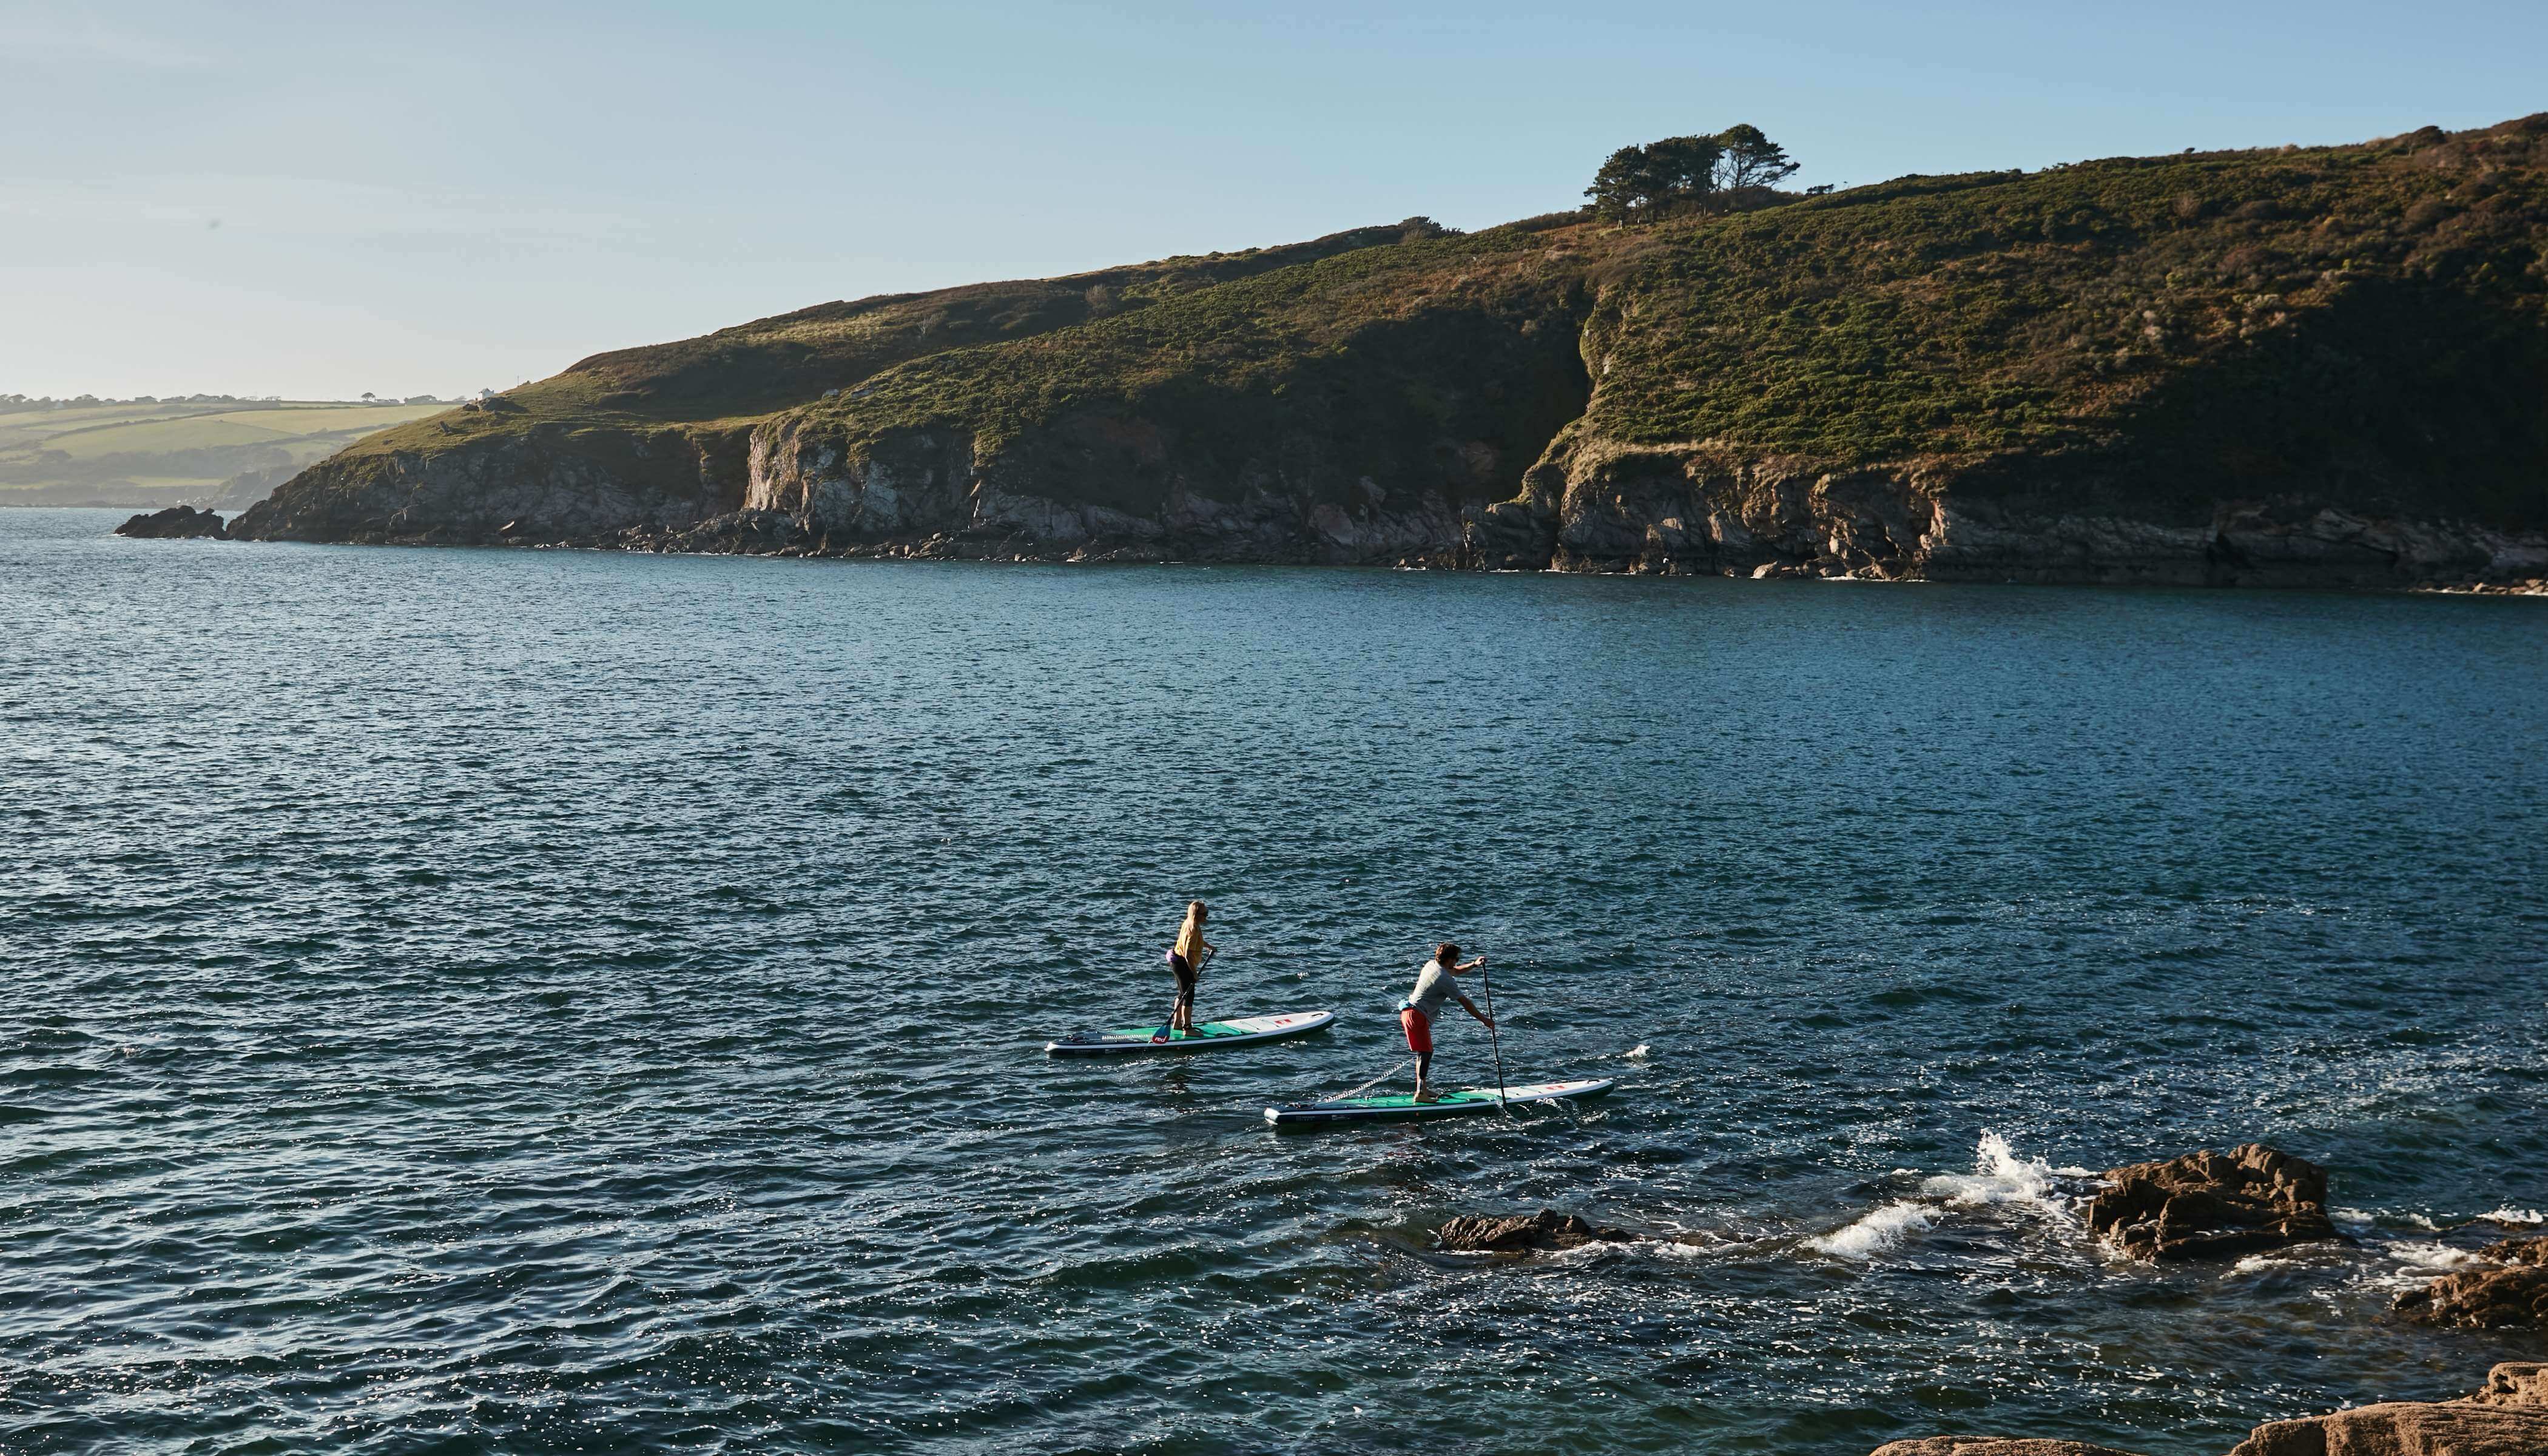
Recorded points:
(557,1001)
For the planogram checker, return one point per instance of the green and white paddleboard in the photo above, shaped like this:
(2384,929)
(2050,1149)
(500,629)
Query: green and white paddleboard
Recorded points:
(1211,1036)
(1399,1105)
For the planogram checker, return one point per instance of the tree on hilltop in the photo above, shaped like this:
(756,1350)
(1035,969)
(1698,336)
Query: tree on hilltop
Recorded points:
(1641,182)
(1638,180)
(1752,160)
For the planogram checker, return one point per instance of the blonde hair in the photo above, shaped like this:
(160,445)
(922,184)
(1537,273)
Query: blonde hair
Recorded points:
(1195,911)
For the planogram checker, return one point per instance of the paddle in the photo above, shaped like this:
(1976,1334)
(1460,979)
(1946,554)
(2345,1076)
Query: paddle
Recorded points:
(1493,1038)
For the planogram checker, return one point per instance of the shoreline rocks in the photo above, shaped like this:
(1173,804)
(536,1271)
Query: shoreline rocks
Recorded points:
(177,522)
(2209,1205)
(1994,1446)
(2507,1418)
(2511,1292)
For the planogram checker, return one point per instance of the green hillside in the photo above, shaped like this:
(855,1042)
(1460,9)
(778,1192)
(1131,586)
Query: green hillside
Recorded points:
(155,452)
(2252,365)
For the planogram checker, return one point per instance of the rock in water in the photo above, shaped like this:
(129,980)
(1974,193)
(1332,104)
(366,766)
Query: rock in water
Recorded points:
(2206,1204)
(1994,1446)
(1545,1230)
(2509,1417)
(173,522)
(2510,1294)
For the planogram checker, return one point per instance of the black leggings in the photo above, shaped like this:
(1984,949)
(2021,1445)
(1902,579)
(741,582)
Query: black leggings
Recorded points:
(1185,988)
(1423,1065)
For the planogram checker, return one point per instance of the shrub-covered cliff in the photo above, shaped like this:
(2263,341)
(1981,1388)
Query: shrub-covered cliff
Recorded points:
(2307,365)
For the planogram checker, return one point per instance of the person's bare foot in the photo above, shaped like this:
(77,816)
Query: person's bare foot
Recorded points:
(1425,1096)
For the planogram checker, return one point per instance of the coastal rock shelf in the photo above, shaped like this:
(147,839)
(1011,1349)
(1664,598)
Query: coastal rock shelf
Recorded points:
(2509,1417)
(2295,367)
(2509,1293)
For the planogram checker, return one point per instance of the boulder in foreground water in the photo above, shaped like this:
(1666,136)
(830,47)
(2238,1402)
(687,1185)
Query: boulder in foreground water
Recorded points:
(2509,1293)
(1545,1231)
(173,524)
(2207,1205)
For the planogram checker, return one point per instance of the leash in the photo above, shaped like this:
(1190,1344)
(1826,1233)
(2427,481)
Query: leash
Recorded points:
(1367,1086)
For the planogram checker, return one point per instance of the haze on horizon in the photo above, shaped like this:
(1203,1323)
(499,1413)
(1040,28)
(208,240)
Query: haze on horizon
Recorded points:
(315,201)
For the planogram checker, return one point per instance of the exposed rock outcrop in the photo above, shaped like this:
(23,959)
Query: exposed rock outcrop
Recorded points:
(1545,1231)
(2511,1292)
(2206,1204)
(176,523)
(1994,1446)
(2509,1417)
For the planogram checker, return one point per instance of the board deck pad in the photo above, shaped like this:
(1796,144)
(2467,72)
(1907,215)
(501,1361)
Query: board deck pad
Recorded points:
(1211,1036)
(1398,1104)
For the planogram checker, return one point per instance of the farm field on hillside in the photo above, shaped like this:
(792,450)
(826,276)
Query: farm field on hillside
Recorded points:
(157,453)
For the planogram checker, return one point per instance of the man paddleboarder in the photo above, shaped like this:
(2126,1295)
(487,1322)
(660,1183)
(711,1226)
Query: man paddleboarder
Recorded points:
(1423,1005)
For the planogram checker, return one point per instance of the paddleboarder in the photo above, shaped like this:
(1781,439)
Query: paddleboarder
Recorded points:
(1185,962)
(1424,1005)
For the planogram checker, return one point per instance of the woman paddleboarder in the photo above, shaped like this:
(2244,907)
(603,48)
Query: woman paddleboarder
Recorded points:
(1185,961)
(1423,1005)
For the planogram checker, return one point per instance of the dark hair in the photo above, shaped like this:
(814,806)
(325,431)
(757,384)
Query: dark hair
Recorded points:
(1446,952)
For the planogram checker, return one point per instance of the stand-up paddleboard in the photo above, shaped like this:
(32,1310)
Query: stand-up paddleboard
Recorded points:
(1396,1106)
(1211,1036)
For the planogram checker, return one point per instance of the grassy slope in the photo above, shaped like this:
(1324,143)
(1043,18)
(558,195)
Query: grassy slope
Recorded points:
(2163,327)
(2363,321)
(1374,361)
(143,451)
(719,385)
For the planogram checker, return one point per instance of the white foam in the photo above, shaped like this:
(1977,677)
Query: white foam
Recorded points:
(2419,1263)
(1638,1053)
(1876,1231)
(2511,1215)
(1999,1176)
(2259,1264)
(2358,1220)
(2432,1256)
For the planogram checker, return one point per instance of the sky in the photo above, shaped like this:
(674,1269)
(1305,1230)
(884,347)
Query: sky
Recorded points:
(316,201)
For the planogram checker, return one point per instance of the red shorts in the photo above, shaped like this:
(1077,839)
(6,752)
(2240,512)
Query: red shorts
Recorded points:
(1420,1032)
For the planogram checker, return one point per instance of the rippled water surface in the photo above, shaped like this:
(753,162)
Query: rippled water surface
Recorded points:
(466,1000)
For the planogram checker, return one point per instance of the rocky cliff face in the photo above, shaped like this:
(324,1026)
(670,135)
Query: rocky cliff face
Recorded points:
(2321,367)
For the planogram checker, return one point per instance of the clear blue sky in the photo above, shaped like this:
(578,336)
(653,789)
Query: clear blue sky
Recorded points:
(318,200)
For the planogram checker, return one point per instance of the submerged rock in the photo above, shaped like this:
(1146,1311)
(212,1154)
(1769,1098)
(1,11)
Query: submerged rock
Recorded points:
(176,523)
(2207,1205)
(1546,1229)
(2509,1293)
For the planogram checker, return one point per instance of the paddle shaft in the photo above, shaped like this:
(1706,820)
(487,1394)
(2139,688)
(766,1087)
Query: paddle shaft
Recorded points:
(1494,1041)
